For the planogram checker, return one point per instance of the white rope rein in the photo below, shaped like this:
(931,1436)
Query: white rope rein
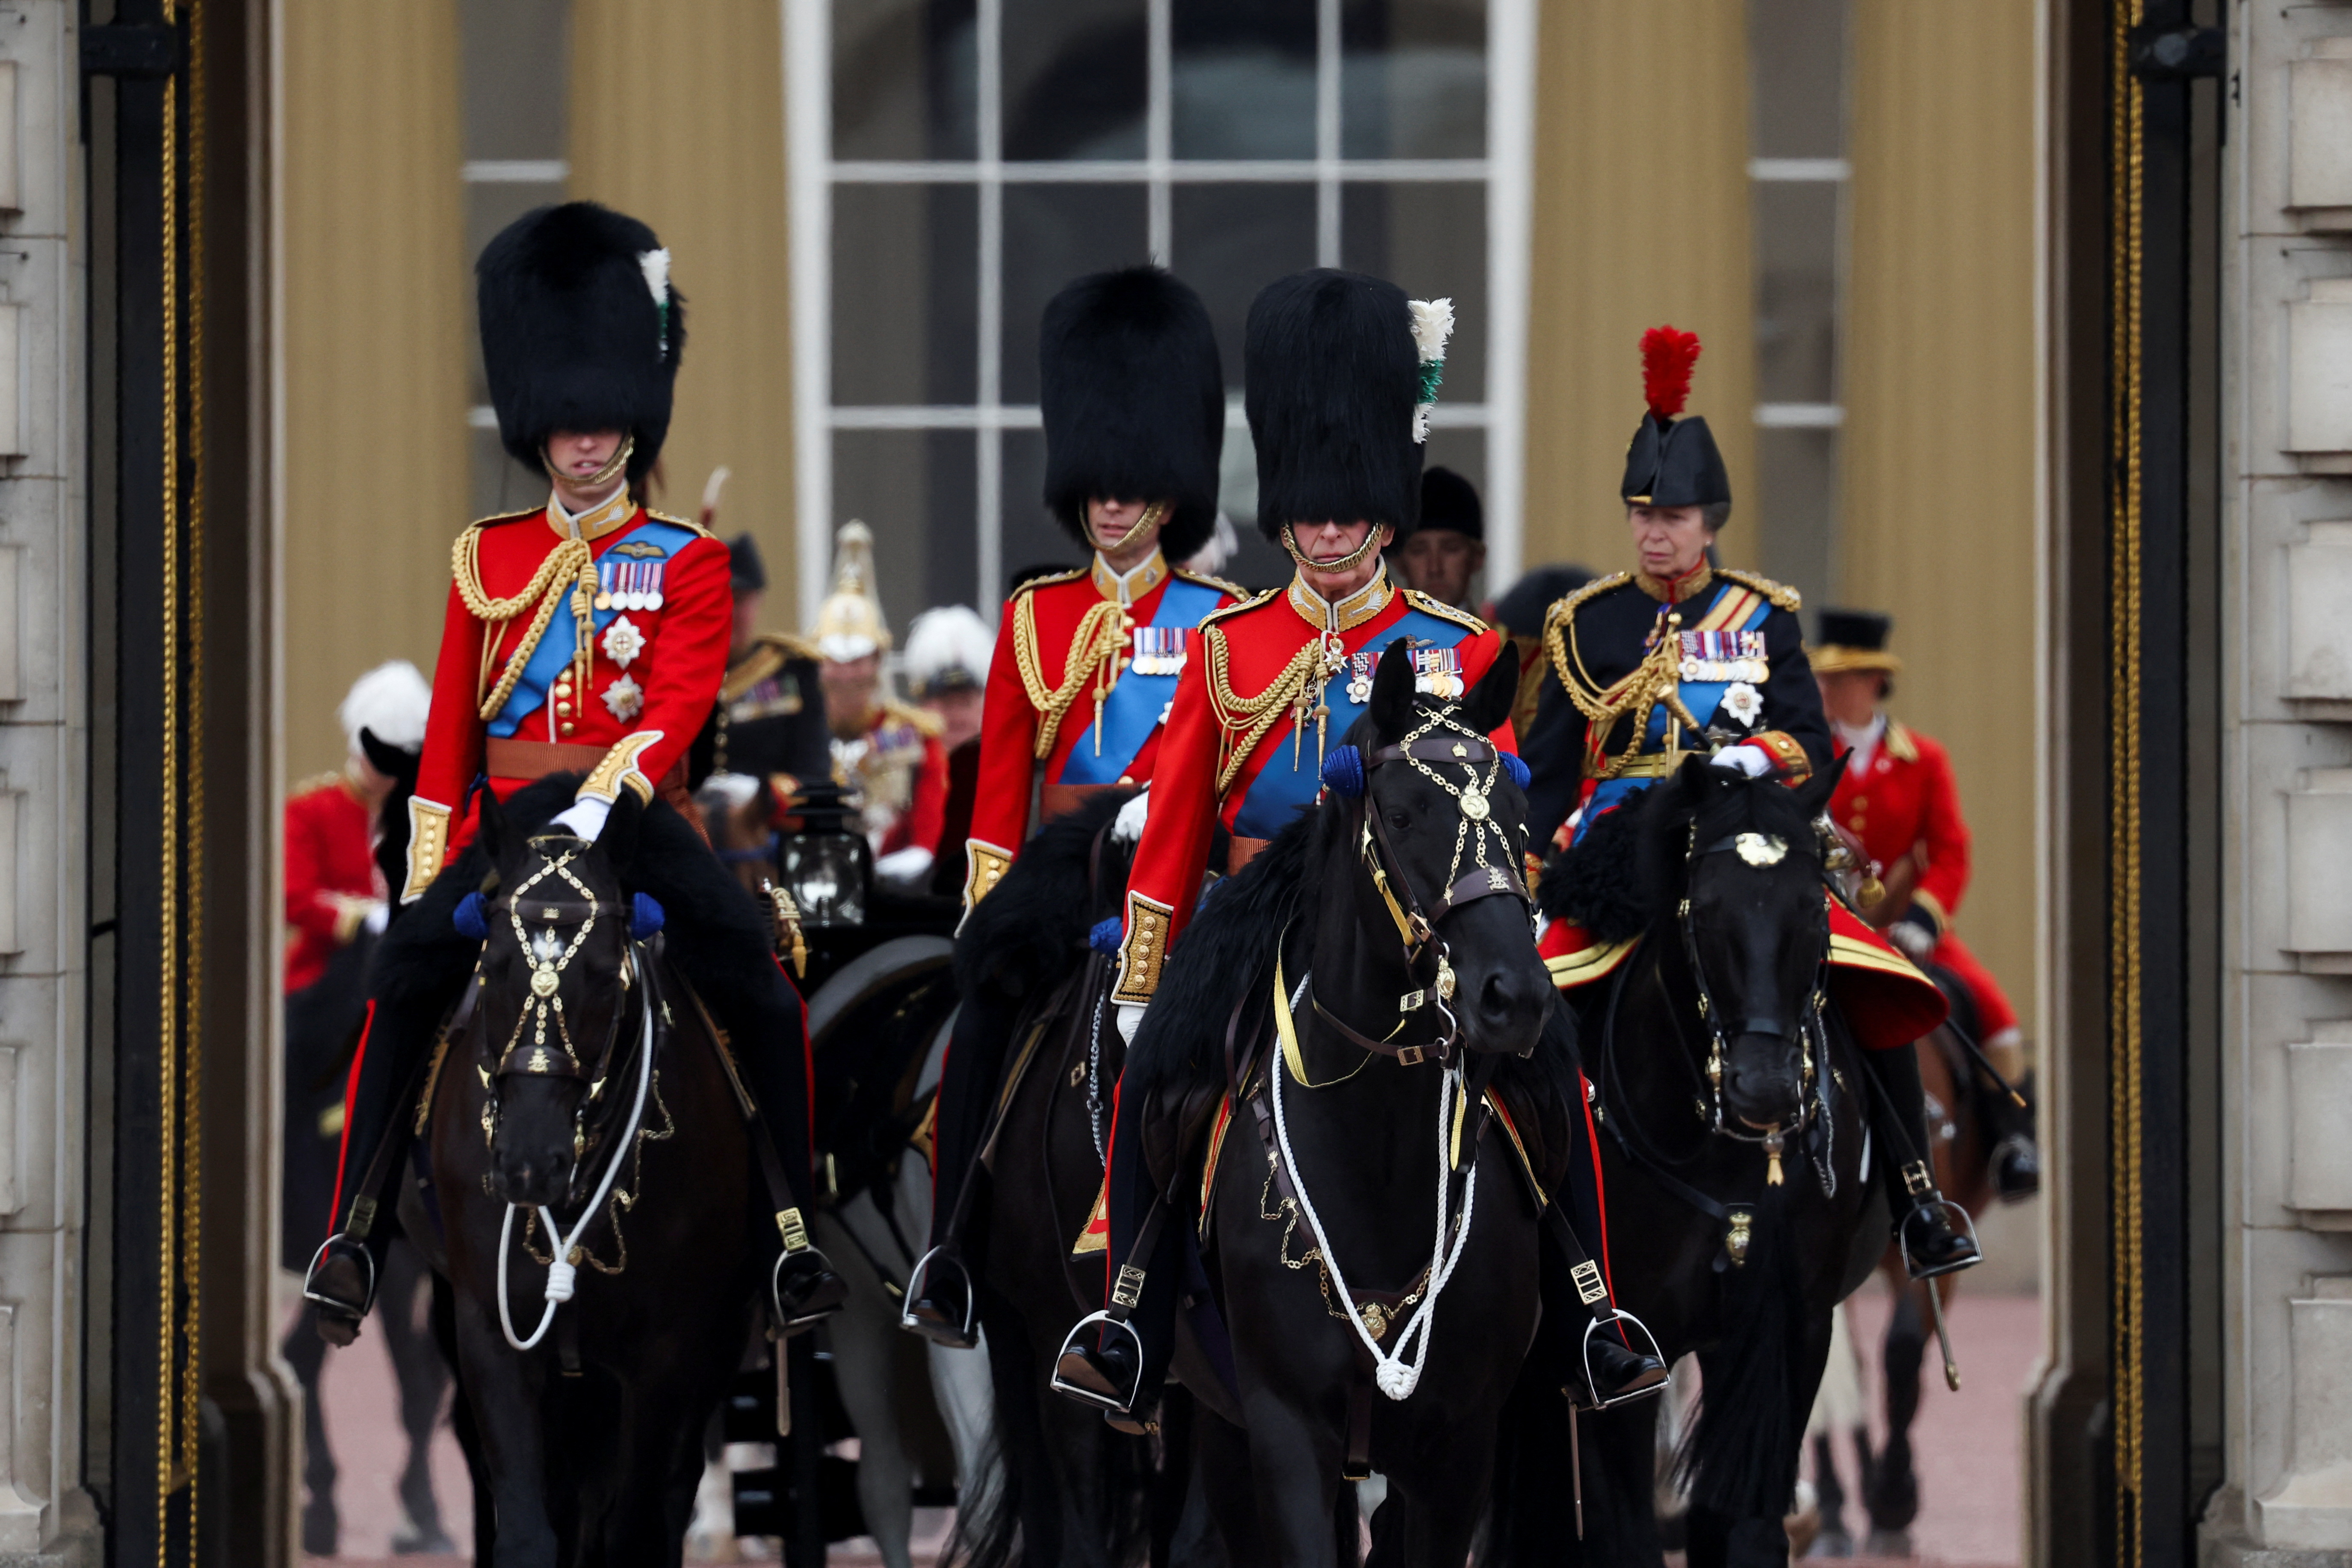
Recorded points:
(560,1271)
(1396,1376)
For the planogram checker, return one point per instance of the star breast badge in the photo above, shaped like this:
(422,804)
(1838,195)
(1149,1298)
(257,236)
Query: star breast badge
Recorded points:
(626,698)
(622,641)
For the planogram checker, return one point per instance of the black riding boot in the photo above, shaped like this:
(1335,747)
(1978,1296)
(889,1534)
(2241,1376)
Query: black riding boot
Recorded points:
(1595,1354)
(1116,1359)
(717,936)
(420,970)
(940,1301)
(2016,1159)
(1931,1244)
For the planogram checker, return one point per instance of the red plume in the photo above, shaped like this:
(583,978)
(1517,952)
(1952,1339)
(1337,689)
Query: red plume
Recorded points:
(1667,356)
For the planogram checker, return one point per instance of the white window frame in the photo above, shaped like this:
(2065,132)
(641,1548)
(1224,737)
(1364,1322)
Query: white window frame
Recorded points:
(812,173)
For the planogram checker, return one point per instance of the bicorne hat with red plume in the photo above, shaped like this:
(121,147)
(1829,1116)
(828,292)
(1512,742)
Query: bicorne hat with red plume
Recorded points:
(1672,461)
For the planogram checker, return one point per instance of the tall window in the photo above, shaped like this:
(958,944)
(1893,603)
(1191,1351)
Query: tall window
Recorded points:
(956,162)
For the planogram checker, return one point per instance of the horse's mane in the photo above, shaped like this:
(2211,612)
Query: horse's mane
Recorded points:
(1623,873)
(1030,929)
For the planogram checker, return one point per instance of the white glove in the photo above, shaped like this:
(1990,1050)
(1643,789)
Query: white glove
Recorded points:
(904,867)
(1753,760)
(1130,1018)
(1128,825)
(376,919)
(1913,938)
(584,818)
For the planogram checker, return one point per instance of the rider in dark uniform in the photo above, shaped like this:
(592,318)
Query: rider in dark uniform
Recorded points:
(1683,657)
(580,337)
(769,720)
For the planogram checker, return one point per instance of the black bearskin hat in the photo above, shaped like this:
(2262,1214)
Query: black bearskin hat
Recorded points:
(581,330)
(1333,377)
(1449,500)
(1672,461)
(1134,401)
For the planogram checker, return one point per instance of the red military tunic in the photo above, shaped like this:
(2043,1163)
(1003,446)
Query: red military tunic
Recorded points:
(902,772)
(332,879)
(1234,751)
(1903,805)
(1076,694)
(622,697)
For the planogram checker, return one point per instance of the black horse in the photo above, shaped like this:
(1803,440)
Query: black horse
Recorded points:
(581,1076)
(1731,1100)
(1350,997)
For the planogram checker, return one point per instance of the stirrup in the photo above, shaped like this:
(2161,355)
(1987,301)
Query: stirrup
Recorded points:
(1072,1352)
(1619,1318)
(310,1275)
(962,1334)
(822,1304)
(1967,1227)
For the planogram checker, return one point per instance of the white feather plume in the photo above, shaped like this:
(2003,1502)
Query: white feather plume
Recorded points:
(1433,323)
(392,701)
(942,640)
(655,264)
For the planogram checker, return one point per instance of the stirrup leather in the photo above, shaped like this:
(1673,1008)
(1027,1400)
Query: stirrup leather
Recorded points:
(311,1273)
(919,1285)
(1072,1349)
(1618,1317)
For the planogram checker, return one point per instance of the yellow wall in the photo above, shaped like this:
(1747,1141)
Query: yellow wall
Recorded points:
(698,152)
(1938,507)
(377,315)
(1641,217)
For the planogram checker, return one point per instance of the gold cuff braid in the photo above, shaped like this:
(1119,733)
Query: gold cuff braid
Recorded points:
(428,841)
(620,767)
(984,866)
(1145,949)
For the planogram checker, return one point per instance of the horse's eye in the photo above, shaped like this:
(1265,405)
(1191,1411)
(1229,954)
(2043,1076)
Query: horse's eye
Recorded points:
(1400,819)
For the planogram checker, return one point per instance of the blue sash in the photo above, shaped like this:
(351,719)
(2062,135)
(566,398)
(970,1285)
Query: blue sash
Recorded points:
(1703,698)
(552,656)
(1132,709)
(1281,789)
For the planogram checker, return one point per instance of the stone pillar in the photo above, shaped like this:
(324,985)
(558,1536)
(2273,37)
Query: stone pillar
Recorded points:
(1642,217)
(378,323)
(683,126)
(45,1514)
(1937,519)
(2287,731)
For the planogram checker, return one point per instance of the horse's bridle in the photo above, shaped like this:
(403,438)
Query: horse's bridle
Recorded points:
(1757,849)
(1416,923)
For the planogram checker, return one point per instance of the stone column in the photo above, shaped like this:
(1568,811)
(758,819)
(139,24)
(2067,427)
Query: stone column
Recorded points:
(1937,519)
(1641,217)
(379,321)
(683,126)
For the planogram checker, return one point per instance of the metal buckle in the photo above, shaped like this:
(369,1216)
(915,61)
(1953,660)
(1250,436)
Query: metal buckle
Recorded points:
(793,1229)
(1588,1288)
(1412,1055)
(1128,1290)
(1648,1338)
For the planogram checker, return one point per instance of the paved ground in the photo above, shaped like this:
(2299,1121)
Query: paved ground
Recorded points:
(1968,1445)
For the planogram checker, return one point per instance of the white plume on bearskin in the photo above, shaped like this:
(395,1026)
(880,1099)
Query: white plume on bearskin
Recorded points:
(390,702)
(947,648)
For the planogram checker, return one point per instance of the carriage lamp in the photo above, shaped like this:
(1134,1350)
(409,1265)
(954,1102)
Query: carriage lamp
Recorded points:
(823,861)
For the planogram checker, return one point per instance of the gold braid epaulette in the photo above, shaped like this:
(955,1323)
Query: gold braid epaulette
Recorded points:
(1657,679)
(1442,611)
(1253,716)
(1783,597)
(1099,637)
(569,563)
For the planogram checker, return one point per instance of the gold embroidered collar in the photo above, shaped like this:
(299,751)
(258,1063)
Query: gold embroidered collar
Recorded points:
(1680,590)
(1128,589)
(597,520)
(1347,615)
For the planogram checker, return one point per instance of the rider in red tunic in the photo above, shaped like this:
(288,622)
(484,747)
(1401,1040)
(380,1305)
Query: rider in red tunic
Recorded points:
(333,887)
(1280,678)
(1087,661)
(1680,659)
(587,637)
(1898,798)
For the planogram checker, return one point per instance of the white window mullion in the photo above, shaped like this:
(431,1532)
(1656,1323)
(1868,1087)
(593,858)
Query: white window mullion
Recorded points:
(808,140)
(988,440)
(1327,132)
(1511,156)
(1159,132)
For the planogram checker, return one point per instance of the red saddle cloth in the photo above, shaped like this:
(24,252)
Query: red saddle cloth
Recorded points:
(1886,999)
